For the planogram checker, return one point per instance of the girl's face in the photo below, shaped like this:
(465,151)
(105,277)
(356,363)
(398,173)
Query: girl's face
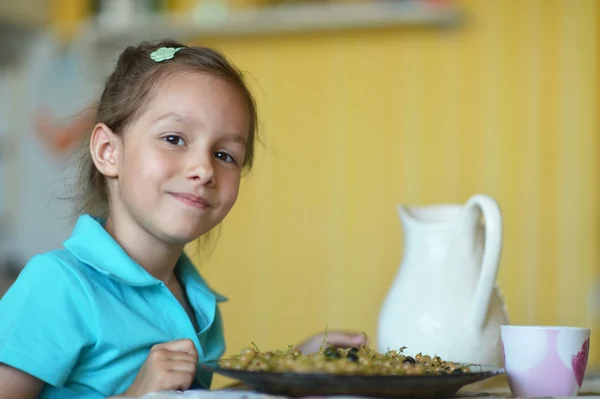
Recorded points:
(179,165)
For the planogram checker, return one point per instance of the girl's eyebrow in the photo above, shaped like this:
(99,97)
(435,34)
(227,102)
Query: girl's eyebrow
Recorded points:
(174,116)
(236,138)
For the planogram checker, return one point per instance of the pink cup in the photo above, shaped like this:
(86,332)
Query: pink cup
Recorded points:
(545,361)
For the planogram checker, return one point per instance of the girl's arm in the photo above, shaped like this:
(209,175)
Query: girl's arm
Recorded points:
(47,319)
(16,384)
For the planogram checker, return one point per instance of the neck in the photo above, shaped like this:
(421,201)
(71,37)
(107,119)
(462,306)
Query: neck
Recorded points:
(157,257)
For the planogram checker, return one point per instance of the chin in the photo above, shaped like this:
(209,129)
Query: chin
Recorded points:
(183,235)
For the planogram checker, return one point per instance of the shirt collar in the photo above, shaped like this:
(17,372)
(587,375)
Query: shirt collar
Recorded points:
(190,278)
(94,246)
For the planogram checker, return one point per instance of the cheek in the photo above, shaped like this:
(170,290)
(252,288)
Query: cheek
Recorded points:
(232,188)
(146,172)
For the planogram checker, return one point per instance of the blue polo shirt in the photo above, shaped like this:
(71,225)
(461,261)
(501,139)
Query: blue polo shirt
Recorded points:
(83,319)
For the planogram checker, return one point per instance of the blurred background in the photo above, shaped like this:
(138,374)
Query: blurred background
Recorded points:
(364,104)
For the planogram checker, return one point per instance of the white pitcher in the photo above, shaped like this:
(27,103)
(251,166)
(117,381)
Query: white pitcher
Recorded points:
(444,300)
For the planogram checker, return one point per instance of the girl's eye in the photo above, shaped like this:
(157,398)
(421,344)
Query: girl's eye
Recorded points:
(173,139)
(225,157)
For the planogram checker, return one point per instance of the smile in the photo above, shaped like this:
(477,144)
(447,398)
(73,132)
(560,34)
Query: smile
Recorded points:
(192,200)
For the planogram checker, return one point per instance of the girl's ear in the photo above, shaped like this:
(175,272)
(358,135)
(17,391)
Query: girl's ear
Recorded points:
(104,147)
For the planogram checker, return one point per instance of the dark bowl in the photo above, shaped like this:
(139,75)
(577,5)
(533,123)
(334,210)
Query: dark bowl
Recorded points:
(375,386)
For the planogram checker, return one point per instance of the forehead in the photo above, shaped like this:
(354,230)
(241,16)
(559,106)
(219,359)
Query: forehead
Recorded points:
(202,98)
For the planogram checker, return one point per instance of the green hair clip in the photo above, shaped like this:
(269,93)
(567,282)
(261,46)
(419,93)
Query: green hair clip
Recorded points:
(164,53)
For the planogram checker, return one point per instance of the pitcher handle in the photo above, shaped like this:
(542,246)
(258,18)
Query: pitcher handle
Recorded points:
(491,259)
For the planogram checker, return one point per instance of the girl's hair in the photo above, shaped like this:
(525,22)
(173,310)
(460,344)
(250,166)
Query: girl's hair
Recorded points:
(127,93)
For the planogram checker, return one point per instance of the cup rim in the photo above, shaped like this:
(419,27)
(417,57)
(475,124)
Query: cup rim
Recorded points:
(542,327)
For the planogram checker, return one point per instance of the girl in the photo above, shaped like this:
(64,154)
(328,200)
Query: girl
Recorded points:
(121,310)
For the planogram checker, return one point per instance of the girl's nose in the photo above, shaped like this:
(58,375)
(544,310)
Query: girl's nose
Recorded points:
(202,170)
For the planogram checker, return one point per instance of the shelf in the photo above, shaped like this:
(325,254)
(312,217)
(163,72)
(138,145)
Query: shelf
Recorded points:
(271,20)
(30,13)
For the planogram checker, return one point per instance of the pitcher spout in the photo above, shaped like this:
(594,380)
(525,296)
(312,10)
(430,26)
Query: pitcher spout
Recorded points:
(429,215)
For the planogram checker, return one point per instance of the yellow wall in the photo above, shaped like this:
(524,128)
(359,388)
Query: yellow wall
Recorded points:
(358,122)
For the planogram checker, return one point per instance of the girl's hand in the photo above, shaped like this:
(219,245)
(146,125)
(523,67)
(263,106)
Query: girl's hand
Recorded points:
(169,366)
(338,339)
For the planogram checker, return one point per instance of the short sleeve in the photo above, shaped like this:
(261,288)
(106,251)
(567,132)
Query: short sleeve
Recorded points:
(43,326)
